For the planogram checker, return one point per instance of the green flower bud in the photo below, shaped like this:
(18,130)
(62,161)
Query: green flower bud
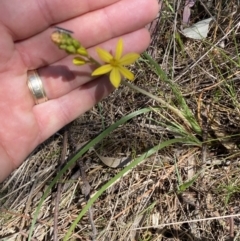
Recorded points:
(82,51)
(63,41)
(62,46)
(69,49)
(76,43)
(66,42)
(69,41)
(79,61)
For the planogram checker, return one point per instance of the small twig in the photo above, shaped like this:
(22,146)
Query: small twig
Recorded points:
(205,127)
(26,235)
(86,191)
(86,188)
(187,221)
(231,225)
(59,186)
(27,207)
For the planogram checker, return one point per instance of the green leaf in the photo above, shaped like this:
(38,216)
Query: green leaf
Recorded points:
(184,186)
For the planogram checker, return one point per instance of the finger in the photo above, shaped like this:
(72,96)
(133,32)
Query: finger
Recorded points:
(63,77)
(91,29)
(6,166)
(54,114)
(26,18)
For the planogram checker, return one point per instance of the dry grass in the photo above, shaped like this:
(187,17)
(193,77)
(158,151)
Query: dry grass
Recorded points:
(152,202)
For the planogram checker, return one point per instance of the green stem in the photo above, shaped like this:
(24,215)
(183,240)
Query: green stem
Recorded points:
(94,61)
(161,101)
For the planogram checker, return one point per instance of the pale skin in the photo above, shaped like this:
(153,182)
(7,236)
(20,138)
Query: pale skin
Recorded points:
(25,44)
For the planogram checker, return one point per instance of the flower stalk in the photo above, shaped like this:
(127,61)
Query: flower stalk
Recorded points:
(159,100)
(114,65)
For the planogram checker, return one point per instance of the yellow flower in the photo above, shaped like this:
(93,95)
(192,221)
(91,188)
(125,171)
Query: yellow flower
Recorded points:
(115,64)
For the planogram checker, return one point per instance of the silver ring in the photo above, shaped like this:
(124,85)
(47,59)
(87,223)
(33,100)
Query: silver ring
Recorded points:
(36,87)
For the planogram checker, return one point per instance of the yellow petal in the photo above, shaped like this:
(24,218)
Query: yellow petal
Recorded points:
(126,73)
(129,58)
(104,55)
(102,70)
(115,77)
(119,49)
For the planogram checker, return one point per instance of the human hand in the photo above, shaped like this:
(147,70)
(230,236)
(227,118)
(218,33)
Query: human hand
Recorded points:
(25,44)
